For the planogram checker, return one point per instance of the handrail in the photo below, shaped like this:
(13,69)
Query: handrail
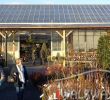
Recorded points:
(87,72)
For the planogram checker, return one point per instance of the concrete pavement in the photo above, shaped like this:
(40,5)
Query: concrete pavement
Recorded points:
(7,90)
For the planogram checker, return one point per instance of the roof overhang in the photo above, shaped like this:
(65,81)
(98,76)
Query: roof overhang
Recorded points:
(53,25)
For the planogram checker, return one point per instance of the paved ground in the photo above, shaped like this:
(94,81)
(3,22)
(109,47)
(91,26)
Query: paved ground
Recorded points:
(7,90)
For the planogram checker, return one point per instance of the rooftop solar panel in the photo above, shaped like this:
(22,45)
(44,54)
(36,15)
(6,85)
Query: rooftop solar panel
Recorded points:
(81,14)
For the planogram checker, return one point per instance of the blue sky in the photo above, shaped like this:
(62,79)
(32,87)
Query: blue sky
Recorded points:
(54,1)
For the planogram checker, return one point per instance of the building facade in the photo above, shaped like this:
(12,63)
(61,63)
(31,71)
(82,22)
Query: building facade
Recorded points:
(75,28)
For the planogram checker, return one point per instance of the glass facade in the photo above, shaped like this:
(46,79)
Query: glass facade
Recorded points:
(12,48)
(80,40)
(86,40)
(56,42)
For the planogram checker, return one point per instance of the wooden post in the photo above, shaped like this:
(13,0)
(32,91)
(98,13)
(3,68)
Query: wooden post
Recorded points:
(64,46)
(13,46)
(2,36)
(51,45)
(6,49)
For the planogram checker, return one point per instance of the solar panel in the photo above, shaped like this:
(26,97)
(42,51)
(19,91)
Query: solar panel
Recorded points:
(55,14)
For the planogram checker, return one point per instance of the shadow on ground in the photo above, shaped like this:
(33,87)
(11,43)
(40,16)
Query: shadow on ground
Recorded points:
(7,92)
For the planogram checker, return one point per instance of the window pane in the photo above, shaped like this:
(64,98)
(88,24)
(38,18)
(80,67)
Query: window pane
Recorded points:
(97,32)
(82,42)
(96,38)
(90,32)
(89,43)
(56,42)
(75,43)
(75,32)
(81,32)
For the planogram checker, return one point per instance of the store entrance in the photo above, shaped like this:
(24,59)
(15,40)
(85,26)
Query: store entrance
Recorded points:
(31,48)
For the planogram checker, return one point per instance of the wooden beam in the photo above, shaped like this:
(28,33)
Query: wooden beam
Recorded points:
(2,35)
(9,34)
(52,28)
(67,34)
(59,33)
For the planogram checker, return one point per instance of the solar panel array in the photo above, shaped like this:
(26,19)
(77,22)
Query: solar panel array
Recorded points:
(54,13)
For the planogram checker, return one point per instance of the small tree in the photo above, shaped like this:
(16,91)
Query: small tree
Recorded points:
(103,51)
(44,53)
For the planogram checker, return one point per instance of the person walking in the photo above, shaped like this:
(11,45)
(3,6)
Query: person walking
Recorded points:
(19,73)
(2,76)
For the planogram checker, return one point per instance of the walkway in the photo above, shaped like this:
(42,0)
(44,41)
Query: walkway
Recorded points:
(7,92)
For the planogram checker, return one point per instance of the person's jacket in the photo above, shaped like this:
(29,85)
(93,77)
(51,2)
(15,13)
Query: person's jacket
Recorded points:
(16,77)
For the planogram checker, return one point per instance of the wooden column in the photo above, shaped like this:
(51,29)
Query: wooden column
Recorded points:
(6,49)
(64,46)
(51,44)
(3,37)
(6,34)
(13,33)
